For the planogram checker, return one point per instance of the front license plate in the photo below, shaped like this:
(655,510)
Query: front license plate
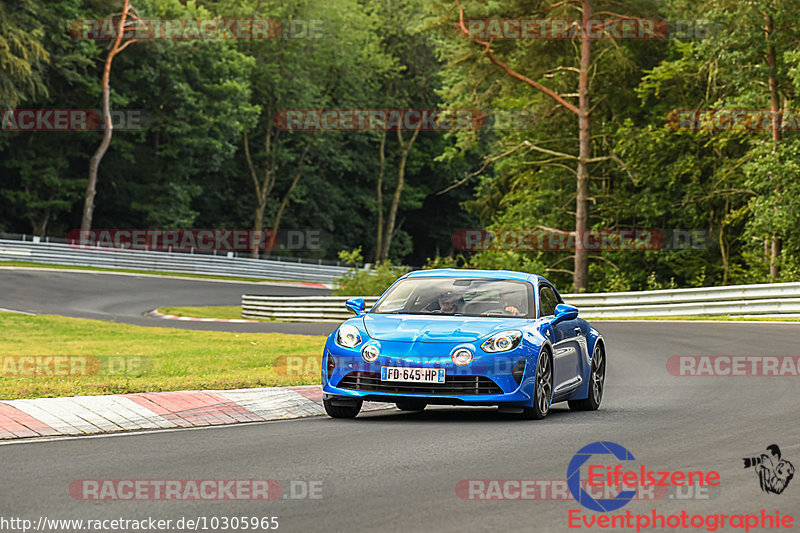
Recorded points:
(417,375)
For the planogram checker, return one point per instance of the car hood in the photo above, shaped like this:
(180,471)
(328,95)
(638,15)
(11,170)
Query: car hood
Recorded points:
(435,328)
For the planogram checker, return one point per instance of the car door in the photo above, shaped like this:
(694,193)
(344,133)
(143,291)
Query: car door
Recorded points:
(566,343)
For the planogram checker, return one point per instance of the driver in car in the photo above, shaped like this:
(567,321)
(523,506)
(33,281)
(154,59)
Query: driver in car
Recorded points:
(451,302)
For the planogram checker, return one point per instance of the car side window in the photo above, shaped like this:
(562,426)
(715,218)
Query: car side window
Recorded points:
(547,301)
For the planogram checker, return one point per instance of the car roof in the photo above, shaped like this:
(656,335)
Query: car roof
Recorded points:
(475,273)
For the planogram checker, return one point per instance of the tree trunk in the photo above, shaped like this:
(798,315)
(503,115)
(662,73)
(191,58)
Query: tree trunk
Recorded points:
(94,163)
(580,276)
(262,189)
(258,225)
(774,267)
(277,223)
(39,225)
(379,198)
(723,245)
(580,279)
(405,148)
(774,98)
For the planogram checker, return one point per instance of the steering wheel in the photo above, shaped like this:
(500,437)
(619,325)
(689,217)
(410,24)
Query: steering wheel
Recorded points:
(501,312)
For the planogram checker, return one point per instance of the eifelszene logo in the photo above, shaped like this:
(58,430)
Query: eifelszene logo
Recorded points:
(602,475)
(774,473)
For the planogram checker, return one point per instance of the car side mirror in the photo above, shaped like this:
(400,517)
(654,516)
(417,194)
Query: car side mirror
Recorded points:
(565,312)
(356,305)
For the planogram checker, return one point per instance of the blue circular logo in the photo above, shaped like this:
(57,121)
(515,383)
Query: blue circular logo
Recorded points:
(574,477)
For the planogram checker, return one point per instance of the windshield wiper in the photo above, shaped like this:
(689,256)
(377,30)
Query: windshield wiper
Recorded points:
(418,313)
(400,313)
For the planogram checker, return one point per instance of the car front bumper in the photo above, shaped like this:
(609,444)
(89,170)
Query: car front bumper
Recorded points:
(486,380)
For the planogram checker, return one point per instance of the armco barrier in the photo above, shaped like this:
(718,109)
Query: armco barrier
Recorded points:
(63,254)
(737,300)
(300,308)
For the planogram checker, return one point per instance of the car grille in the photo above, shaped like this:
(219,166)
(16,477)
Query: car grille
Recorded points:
(371,381)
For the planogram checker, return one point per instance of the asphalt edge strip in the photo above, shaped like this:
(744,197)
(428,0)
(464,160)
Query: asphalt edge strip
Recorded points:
(156,314)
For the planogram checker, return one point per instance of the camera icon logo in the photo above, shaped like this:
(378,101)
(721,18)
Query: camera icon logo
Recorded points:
(774,473)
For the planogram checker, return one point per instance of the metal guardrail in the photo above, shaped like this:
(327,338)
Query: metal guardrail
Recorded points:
(781,299)
(185,263)
(235,253)
(734,300)
(300,308)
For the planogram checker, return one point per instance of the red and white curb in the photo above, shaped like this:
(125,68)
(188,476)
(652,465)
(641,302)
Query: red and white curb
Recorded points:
(317,285)
(155,314)
(85,415)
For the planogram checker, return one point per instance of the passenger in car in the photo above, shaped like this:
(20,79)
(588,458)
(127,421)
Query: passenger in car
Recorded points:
(511,305)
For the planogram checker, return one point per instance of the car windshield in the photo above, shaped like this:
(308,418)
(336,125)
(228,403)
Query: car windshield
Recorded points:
(458,297)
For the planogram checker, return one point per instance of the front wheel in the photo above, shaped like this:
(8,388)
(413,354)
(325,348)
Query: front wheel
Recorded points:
(597,381)
(543,390)
(350,410)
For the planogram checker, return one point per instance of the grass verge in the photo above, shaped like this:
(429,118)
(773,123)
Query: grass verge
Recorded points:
(91,357)
(209,311)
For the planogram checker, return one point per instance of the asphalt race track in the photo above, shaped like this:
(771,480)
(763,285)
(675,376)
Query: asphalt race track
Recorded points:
(394,471)
(125,298)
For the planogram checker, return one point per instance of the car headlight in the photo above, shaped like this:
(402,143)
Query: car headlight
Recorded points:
(502,342)
(370,353)
(348,336)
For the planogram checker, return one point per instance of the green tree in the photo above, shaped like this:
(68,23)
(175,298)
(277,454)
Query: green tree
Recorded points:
(42,170)
(543,78)
(732,178)
(127,20)
(23,54)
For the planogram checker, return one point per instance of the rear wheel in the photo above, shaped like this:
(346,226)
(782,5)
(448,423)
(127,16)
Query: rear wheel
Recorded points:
(349,410)
(411,405)
(543,390)
(597,381)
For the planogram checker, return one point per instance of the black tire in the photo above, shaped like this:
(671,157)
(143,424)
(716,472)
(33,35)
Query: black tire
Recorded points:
(411,405)
(543,389)
(342,411)
(597,381)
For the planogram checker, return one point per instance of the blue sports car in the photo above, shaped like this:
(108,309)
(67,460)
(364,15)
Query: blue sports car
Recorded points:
(465,337)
